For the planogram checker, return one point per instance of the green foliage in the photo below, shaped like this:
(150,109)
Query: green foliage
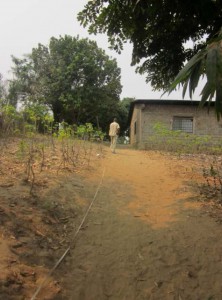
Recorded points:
(30,130)
(207,61)
(122,114)
(99,135)
(211,171)
(38,115)
(65,131)
(181,142)
(3,99)
(9,112)
(157,30)
(85,131)
(73,77)
(27,121)
(9,120)
(81,132)
(22,149)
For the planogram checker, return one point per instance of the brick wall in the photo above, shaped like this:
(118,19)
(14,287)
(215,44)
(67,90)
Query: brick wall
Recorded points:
(136,130)
(146,115)
(135,121)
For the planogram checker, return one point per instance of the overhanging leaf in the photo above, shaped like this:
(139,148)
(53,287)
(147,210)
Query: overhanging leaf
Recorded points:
(194,77)
(185,88)
(219,60)
(186,72)
(211,65)
(218,102)
(207,93)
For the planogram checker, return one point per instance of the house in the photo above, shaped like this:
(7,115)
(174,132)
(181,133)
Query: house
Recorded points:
(176,115)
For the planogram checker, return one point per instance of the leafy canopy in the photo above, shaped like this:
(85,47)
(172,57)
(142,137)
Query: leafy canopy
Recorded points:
(3,92)
(165,34)
(123,113)
(158,31)
(207,61)
(74,77)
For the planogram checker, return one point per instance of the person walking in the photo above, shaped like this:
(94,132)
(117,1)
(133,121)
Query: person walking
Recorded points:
(113,133)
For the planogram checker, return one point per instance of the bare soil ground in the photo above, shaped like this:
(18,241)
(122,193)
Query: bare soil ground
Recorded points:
(148,235)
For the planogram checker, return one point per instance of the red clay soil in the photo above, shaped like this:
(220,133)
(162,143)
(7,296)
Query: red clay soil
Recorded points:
(147,235)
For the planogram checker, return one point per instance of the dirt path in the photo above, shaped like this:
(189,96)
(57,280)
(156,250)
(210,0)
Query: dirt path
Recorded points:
(144,238)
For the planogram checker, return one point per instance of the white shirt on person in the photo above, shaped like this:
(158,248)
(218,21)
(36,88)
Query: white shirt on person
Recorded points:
(114,129)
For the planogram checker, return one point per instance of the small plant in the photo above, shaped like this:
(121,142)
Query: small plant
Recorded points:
(30,167)
(212,175)
(179,142)
(9,120)
(42,151)
(22,149)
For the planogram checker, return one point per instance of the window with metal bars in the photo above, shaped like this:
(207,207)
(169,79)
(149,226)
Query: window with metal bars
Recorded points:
(183,123)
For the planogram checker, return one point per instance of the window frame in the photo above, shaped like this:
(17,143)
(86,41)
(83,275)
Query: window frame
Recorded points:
(186,128)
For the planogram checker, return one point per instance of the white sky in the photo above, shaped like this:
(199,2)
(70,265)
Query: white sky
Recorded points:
(25,23)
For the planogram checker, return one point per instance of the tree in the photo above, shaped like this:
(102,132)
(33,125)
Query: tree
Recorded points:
(165,34)
(207,61)
(74,77)
(1,87)
(157,30)
(123,113)
(3,93)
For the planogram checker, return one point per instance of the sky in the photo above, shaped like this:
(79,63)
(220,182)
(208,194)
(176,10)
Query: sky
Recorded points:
(25,23)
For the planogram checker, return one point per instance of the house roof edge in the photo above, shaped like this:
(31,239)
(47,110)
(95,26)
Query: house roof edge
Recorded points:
(164,101)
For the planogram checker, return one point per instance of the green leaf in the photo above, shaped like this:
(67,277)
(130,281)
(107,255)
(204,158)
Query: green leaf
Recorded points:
(211,65)
(194,78)
(185,88)
(206,93)
(219,60)
(186,72)
(218,102)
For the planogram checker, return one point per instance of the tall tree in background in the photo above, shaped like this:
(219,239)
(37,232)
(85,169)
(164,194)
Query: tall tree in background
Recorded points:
(74,77)
(1,87)
(3,91)
(123,113)
(159,31)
